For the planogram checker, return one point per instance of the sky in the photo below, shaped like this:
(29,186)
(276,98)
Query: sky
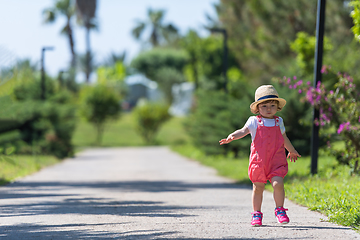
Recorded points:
(23,33)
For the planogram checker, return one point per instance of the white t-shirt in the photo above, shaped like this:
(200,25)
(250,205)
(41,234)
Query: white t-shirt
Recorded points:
(252,124)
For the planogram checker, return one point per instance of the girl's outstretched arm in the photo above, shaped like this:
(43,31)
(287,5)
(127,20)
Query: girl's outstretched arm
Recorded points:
(293,154)
(235,135)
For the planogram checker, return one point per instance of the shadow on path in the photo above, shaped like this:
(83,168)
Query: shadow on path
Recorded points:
(143,186)
(48,201)
(65,231)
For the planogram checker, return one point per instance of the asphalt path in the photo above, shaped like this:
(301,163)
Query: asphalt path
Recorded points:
(145,193)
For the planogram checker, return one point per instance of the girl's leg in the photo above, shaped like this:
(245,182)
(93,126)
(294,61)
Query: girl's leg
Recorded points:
(279,192)
(257,196)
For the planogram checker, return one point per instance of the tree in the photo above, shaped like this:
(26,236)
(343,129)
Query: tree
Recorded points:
(99,104)
(160,32)
(149,62)
(304,47)
(213,118)
(166,78)
(192,44)
(86,16)
(86,62)
(149,117)
(113,76)
(114,58)
(355,14)
(211,62)
(67,9)
(259,31)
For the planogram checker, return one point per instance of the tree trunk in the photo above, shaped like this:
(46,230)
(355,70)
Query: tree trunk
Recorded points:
(72,70)
(88,53)
(99,133)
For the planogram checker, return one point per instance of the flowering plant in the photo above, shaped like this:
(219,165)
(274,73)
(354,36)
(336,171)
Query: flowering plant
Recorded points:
(338,102)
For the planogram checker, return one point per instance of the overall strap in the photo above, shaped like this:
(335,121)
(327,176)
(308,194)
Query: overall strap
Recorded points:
(277,121)
(260,121)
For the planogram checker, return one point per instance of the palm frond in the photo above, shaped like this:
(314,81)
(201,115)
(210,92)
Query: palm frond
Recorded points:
(114,58)
(138,30)
(66,7)
(170,33)
(171,29)
(49,15)
(156,16)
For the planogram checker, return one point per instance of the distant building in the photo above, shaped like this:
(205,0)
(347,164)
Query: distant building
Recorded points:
(182,98)
(140,87)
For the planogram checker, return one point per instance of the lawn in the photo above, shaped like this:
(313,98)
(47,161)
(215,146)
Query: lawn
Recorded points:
(123,133)
(16,166)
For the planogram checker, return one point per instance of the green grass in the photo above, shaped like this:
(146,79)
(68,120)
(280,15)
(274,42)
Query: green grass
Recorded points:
(15,166)
(226,166)
(335,196)
(123,133)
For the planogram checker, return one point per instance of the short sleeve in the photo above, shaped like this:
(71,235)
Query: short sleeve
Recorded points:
(251,124)
(281,125)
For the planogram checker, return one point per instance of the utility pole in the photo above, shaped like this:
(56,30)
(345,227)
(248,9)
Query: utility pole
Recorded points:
(42,84)
(225,55)
(320,25)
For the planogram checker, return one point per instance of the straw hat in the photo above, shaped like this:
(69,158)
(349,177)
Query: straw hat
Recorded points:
(266,93)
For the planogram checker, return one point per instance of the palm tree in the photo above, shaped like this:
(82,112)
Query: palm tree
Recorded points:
(86,16)
(159,32)
(67,9)
(113,58)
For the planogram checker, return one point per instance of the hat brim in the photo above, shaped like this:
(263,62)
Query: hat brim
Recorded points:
(253,106)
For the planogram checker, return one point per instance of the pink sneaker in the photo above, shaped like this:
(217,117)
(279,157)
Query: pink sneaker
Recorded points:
(280,213)
(256,219)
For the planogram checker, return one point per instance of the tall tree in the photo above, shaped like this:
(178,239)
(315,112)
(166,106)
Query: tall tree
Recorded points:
(64,8)
(86,15)
(160,32)
(260,31)
(192,44)
(113,58)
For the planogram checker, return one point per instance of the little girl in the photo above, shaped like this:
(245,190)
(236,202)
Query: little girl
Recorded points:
(268,157)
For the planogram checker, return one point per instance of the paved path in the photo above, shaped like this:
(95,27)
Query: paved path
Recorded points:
(144,193)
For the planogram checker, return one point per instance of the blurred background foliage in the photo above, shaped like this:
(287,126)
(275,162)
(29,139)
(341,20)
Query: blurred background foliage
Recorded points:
(37,125)
(149,118)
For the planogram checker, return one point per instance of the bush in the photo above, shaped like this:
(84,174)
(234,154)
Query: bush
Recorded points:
(35,122)
(339,109)
(31,90)
(63,121)
(304,47)
(148,63)
(99,104)
(216,116)
(355,14)
(167,77)
(149,118)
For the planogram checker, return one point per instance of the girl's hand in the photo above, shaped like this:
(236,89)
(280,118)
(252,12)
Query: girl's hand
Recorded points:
(227,140)
(293,156)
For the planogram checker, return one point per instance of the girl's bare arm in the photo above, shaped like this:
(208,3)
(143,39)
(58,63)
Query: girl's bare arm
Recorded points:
(293,154)
(235,135)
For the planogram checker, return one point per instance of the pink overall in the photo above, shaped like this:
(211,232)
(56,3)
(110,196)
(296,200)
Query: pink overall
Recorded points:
(268,158)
